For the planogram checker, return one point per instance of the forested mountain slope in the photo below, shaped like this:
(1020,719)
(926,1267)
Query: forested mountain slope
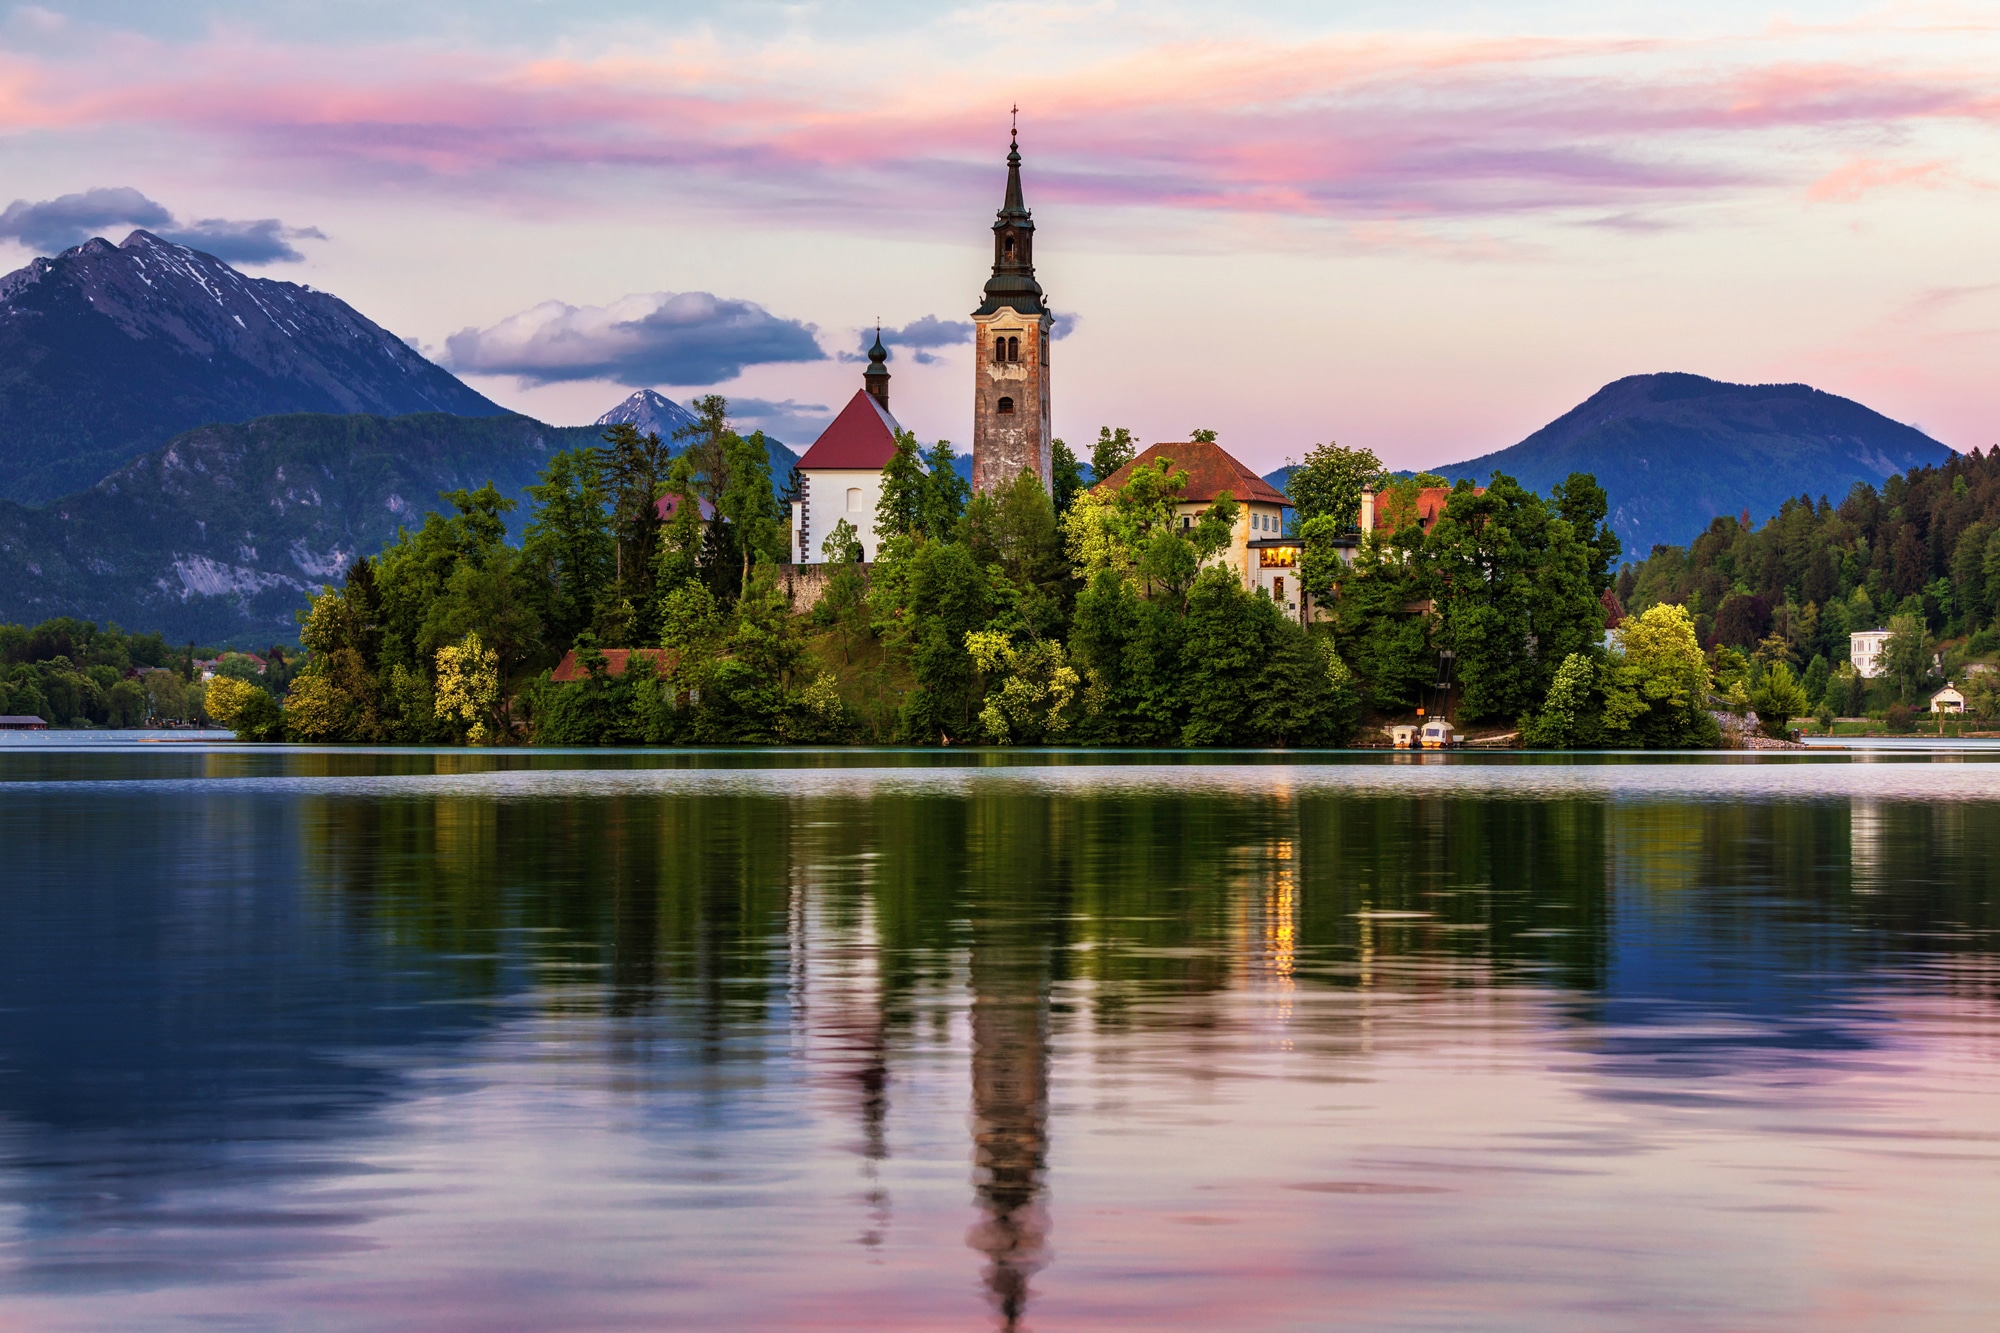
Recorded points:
(1927,543)
(222,533)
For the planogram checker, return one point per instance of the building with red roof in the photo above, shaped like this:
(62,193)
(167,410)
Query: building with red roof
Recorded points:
(1258,549)
(616,662)
(840,476)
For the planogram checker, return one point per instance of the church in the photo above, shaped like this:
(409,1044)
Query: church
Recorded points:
(841,474)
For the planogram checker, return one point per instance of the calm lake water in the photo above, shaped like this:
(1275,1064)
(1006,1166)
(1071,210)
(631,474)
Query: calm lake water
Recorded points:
(424,1041)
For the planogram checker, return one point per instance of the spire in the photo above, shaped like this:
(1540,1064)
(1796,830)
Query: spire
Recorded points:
(1013,282)
(876,378)
(1013,206)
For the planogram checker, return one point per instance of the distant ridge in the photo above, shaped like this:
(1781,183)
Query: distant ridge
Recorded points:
(1673,451)
(107,351)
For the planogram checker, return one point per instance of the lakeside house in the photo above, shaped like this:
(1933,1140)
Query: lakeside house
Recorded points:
(1948,700)
(23,723)
(1259,552)
(1864,649)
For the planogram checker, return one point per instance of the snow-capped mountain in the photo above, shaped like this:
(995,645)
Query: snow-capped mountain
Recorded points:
(653,413)
(107,351)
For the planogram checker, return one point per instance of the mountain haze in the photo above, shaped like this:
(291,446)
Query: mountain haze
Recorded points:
(107,351)
(1673,451)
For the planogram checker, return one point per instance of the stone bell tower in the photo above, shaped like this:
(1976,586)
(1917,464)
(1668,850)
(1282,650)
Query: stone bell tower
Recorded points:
(1010,361)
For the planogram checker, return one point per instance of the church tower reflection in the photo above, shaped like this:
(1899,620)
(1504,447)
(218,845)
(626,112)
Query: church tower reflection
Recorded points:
(1010,1116)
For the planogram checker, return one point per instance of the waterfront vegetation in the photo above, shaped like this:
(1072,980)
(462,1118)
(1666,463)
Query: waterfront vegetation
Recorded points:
(1087,617)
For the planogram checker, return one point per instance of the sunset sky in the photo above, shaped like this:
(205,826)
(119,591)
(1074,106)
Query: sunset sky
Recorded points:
(1291,223)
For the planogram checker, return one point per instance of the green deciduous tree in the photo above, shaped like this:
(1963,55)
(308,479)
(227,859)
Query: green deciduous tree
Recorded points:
(1328,484)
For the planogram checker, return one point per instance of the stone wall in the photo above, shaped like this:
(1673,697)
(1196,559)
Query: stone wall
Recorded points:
(806,584)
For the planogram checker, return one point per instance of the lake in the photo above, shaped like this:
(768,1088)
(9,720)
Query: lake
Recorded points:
(349,1039)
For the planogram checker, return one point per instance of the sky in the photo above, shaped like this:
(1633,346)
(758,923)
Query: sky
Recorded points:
(1423,229)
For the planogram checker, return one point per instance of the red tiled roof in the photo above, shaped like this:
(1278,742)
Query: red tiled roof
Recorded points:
(615,662)
(1211,471)
(863,437)
(669,504)
(1431,502)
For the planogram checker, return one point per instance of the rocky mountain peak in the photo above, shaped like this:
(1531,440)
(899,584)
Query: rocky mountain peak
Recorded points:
(107,350)
(651,412)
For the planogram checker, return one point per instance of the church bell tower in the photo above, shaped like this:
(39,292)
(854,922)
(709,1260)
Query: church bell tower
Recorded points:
(1010,361)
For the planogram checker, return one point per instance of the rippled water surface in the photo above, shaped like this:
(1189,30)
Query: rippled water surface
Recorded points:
(411,1040)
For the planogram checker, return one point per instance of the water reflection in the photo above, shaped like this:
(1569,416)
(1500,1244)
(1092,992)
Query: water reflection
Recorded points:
(803,992)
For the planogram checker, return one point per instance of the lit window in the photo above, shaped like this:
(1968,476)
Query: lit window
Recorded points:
(853,499)
(1005,407)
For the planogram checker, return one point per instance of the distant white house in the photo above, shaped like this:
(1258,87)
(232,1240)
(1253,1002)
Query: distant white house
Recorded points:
(1864,649)
(1948,700)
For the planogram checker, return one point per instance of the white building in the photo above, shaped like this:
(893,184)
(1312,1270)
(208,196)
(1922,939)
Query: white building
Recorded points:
(1864,649)
(1948,700)
(840,477)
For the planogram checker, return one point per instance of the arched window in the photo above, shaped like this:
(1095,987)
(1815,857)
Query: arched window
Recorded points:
(1005,407)
(853,499)
(1000,349)
(1013,349)
(1008,246)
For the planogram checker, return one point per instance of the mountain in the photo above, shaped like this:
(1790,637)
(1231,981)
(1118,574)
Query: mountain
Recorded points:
(656,414)
(1674,451)
(221,534)
(653,413)
(107,351)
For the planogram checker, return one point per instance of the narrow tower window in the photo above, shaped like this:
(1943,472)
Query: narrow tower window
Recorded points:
(999,349)
(1005,407)
(1013,349)
(1008,245)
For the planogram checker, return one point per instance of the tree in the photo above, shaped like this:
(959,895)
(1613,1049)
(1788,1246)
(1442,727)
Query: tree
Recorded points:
(747,503)
(1656,694)
(1031,687)
(1380,623)
(1328,484)
(246,709)
(568,548)
(1066,477)
(1512,583)
(901,510)
(1582,503)
(1114,450)
(468,687)
(1778,699)
(1906,655)
(635,471)
(1567,717)
(1305,693)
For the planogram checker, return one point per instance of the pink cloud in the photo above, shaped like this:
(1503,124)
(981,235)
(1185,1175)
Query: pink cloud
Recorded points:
(1352,129)
(1865,176)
